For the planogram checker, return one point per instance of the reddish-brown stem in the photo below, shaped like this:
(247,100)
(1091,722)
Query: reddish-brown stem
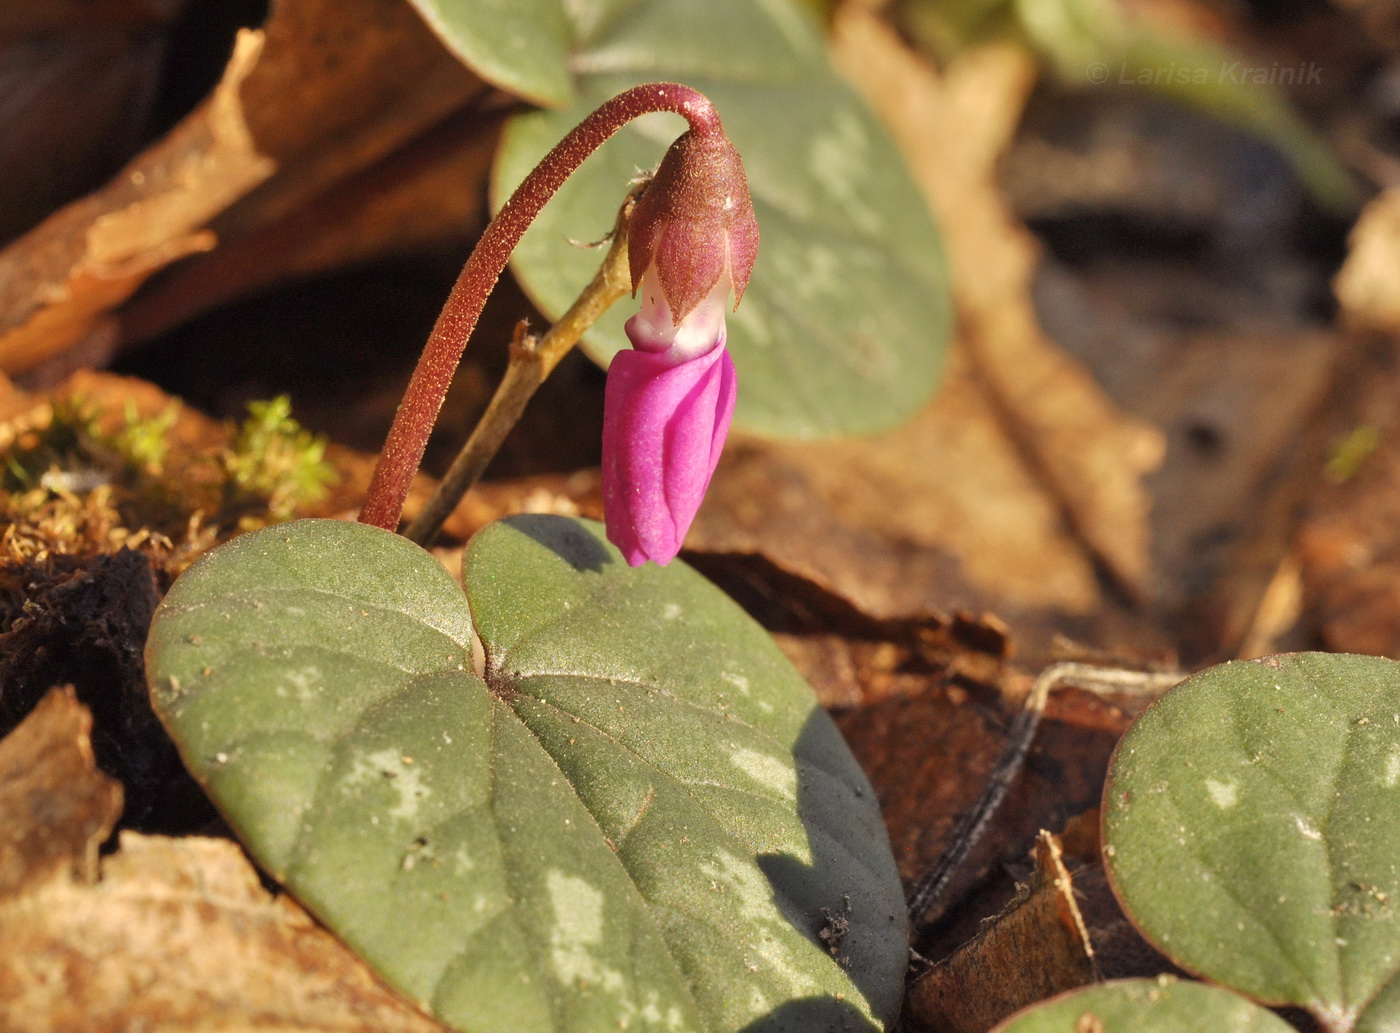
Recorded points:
(408,436)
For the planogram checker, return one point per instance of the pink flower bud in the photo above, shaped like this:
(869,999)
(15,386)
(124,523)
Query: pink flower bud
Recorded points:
(692,238)
(665,417)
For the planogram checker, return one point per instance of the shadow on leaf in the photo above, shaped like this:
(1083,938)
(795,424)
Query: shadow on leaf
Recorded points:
(840,901)
(565,538)
(813,1015)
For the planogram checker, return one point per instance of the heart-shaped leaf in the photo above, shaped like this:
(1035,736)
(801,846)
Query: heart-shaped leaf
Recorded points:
(1252,831)
(519,45)
(844,324)
(638,818)
(1146,1006)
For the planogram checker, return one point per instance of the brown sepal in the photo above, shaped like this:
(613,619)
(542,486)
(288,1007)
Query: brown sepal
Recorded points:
(695,220)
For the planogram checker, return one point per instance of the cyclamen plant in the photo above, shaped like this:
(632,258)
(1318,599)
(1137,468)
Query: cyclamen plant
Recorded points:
(693,238)
(512,795)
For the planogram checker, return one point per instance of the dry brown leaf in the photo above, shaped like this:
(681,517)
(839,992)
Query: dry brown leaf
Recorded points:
(379,153)
(309,79)
(426,194)
(359,113)
(1368,285)
(952,129)
(929,754)
(1246,405)
(179,936)
(1037,947)
(57,280)
(335,94)
(1241,401)
(56,808)
(862,661)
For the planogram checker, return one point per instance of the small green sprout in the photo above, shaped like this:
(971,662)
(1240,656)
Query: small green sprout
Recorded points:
(1350,452)
(274,465)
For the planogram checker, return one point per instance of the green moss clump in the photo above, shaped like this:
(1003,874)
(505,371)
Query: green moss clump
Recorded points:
(70,484)
(274,466)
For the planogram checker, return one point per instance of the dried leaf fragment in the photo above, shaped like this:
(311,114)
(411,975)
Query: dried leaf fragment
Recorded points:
(311,98)
(56,808)
(180,935)
(1368,286)
(1039,946)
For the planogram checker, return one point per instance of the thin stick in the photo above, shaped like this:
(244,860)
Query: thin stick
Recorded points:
(408,436)
(532,359)
(932,891)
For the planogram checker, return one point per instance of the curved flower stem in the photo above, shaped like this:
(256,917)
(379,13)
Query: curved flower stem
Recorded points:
(408,436)
(532,359)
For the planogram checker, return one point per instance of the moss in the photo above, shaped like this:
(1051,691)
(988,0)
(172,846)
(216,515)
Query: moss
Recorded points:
(274,467)
(70,487)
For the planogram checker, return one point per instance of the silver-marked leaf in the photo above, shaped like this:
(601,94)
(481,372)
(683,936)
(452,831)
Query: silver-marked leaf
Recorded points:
(1146,1006)
(844,324)
(638,818)
(1252,831)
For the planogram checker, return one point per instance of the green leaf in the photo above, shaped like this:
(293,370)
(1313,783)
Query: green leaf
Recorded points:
(519,45)
(845,321)
(1146,1006)
(639,818)
(1382,1015)
(1252,829)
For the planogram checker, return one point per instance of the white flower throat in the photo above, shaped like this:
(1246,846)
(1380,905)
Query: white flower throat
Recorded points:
(654,328)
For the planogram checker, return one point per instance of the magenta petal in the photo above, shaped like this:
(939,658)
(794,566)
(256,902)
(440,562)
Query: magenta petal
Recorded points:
(664,425)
